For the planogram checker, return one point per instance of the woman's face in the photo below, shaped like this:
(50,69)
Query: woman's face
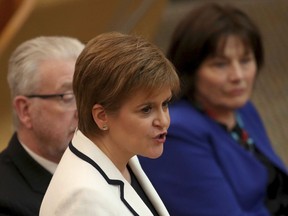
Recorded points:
(140,126)
(225,82)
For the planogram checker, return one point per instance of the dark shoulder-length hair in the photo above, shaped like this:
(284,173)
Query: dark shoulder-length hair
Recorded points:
(203,33)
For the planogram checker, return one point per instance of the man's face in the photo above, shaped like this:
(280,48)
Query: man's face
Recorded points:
(53,120)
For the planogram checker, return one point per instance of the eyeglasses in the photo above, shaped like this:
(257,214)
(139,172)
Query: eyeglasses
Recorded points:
(66,98)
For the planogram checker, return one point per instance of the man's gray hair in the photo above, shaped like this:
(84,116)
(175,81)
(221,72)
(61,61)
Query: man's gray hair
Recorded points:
(23,74)
(23,64)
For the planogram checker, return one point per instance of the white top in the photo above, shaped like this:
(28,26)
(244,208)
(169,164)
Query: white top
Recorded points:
(86,182)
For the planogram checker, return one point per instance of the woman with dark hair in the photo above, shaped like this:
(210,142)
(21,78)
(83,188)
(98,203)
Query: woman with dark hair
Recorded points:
(218,159)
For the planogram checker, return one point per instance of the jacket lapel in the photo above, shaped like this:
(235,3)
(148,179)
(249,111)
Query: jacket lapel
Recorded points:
(147,186)
(36,176)
(86,150)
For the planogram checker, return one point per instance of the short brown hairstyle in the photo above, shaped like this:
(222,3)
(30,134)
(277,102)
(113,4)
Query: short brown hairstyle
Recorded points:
(111,68)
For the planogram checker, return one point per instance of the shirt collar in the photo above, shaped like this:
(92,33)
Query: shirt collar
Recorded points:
(48,165)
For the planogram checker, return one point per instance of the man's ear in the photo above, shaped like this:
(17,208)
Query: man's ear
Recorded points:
(100,116)
(21,106)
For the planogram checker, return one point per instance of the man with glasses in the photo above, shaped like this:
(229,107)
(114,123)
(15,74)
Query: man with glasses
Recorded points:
(40,78)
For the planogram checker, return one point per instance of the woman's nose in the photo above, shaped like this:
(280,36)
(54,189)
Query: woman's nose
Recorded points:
(162,120)
(236,72)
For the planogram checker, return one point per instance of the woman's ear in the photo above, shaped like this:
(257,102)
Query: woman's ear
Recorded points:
(100,116)
(22,108)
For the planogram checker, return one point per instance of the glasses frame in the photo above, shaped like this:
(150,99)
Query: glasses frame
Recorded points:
(49,96)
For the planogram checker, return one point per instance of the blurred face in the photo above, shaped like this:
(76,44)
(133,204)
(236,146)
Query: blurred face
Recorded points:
(225,83)
(53,120)
(140,126)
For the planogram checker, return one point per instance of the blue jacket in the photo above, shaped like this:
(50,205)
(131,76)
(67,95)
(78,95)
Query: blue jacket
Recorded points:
(203,171)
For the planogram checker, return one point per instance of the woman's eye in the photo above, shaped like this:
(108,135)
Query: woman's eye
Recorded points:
(246,60)
(166,104)
(146,109)
(220,64)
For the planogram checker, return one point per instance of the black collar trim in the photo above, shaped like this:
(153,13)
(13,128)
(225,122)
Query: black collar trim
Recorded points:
(109,181)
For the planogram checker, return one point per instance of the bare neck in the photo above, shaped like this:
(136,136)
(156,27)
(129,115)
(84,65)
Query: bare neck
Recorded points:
(118,158)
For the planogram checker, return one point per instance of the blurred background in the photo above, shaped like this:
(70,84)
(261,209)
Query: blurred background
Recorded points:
(21,20)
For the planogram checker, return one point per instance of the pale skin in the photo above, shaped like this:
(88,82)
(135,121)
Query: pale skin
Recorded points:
(138,128)
(47,125)
(225,83)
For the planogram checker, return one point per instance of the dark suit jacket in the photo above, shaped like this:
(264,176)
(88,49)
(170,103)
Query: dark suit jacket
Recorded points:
(23,181)
(203,171)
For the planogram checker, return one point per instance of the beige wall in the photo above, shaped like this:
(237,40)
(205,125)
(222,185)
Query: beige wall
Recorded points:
(77,18)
